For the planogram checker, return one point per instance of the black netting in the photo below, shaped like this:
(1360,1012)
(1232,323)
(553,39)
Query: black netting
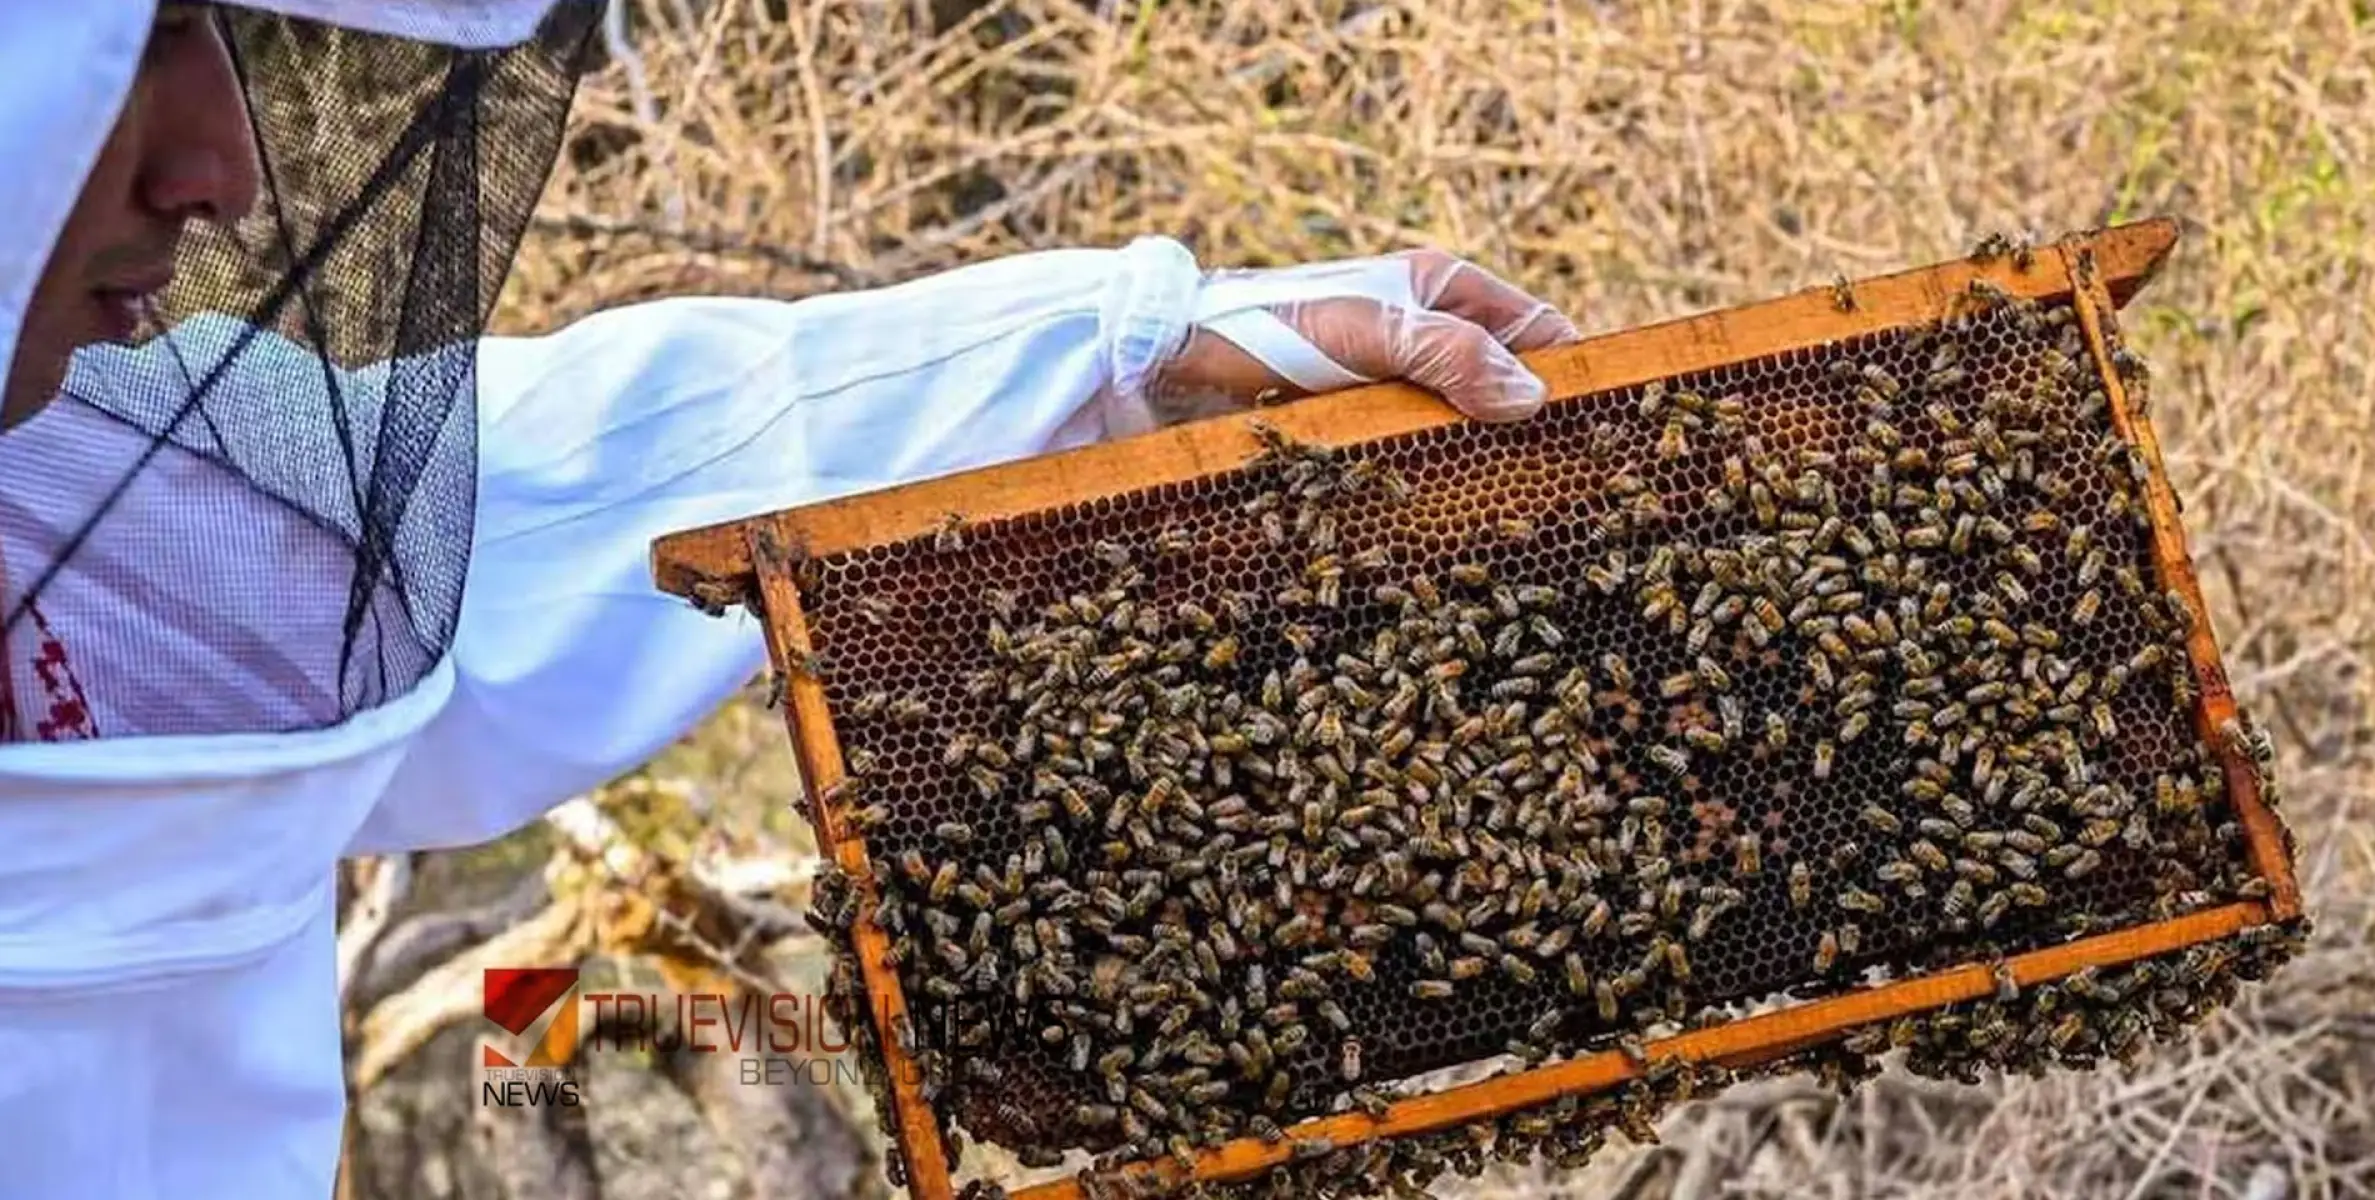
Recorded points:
(275,531)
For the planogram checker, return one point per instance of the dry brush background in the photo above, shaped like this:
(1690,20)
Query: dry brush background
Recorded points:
(1631,162)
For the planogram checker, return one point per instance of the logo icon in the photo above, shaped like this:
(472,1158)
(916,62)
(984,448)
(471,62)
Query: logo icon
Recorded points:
(516,999)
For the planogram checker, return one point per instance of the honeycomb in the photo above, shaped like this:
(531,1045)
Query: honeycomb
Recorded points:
(916,653)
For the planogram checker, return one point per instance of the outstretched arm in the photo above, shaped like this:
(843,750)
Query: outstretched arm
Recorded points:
(571,667)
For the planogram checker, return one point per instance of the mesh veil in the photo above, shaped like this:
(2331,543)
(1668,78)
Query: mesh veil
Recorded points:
(258,518)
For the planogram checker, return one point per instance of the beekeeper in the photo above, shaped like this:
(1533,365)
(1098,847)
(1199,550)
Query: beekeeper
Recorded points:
(297,564)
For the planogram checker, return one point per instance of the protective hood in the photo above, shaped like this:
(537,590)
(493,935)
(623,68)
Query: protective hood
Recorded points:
(303,396)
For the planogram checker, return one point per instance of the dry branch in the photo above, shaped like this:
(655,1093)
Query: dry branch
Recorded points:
(386,882)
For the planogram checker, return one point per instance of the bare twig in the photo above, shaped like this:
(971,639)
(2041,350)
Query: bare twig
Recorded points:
(386,881)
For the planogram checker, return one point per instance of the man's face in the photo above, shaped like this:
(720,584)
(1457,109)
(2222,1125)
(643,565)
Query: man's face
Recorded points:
(181,148)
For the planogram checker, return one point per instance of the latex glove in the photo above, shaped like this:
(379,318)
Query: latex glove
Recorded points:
(1423,316)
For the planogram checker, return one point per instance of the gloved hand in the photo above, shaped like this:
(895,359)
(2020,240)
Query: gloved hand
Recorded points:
(1423,316)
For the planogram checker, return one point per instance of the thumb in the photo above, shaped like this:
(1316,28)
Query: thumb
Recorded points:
(1453,358)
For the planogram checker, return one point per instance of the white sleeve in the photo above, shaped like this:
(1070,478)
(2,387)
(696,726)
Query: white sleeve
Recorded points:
(570,666)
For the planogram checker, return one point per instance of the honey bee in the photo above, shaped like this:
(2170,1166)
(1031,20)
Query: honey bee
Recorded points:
(1545,632)
(1661,604)
(1653,398)
(1761,502)
(1702,922)
(1222,654)
(2100,718)
(986,781)
(1842,294)
(1928,854)
(1348,1060)
(1678,962)
(2088,605)
(2012,588)
(1432,989)
(1510,638)
(947,533)
(1618,671)
(1748,854)
(1991,246)
(2079,543)
(1825,753)
(1826,952)
(1987,292)
(1710,675)
(1801,885)
(1595,922)
(1855,899)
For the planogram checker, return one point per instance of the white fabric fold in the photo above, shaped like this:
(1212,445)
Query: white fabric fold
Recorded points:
(469,24)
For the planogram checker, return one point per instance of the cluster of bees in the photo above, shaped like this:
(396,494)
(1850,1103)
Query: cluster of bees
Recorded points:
(2072,1023)
(1900,697)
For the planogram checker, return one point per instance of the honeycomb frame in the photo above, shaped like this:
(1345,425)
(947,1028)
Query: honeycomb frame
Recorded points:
(757,561)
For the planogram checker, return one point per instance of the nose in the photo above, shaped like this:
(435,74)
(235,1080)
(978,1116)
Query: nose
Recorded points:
(199,148)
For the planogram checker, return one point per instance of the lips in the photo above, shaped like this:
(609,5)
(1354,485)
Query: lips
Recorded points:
(119,307)
(117,314)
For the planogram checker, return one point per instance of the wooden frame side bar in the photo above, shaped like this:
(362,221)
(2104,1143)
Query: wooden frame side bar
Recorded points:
(2214,704)
(717,556)
(818,751)
(1736,1043)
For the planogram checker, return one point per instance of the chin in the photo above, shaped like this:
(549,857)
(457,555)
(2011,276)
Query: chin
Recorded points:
(28,393)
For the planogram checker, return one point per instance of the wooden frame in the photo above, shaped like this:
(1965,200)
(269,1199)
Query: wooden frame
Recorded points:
(2097,272)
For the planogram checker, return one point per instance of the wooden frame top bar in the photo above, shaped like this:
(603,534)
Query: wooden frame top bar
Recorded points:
(716,558)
